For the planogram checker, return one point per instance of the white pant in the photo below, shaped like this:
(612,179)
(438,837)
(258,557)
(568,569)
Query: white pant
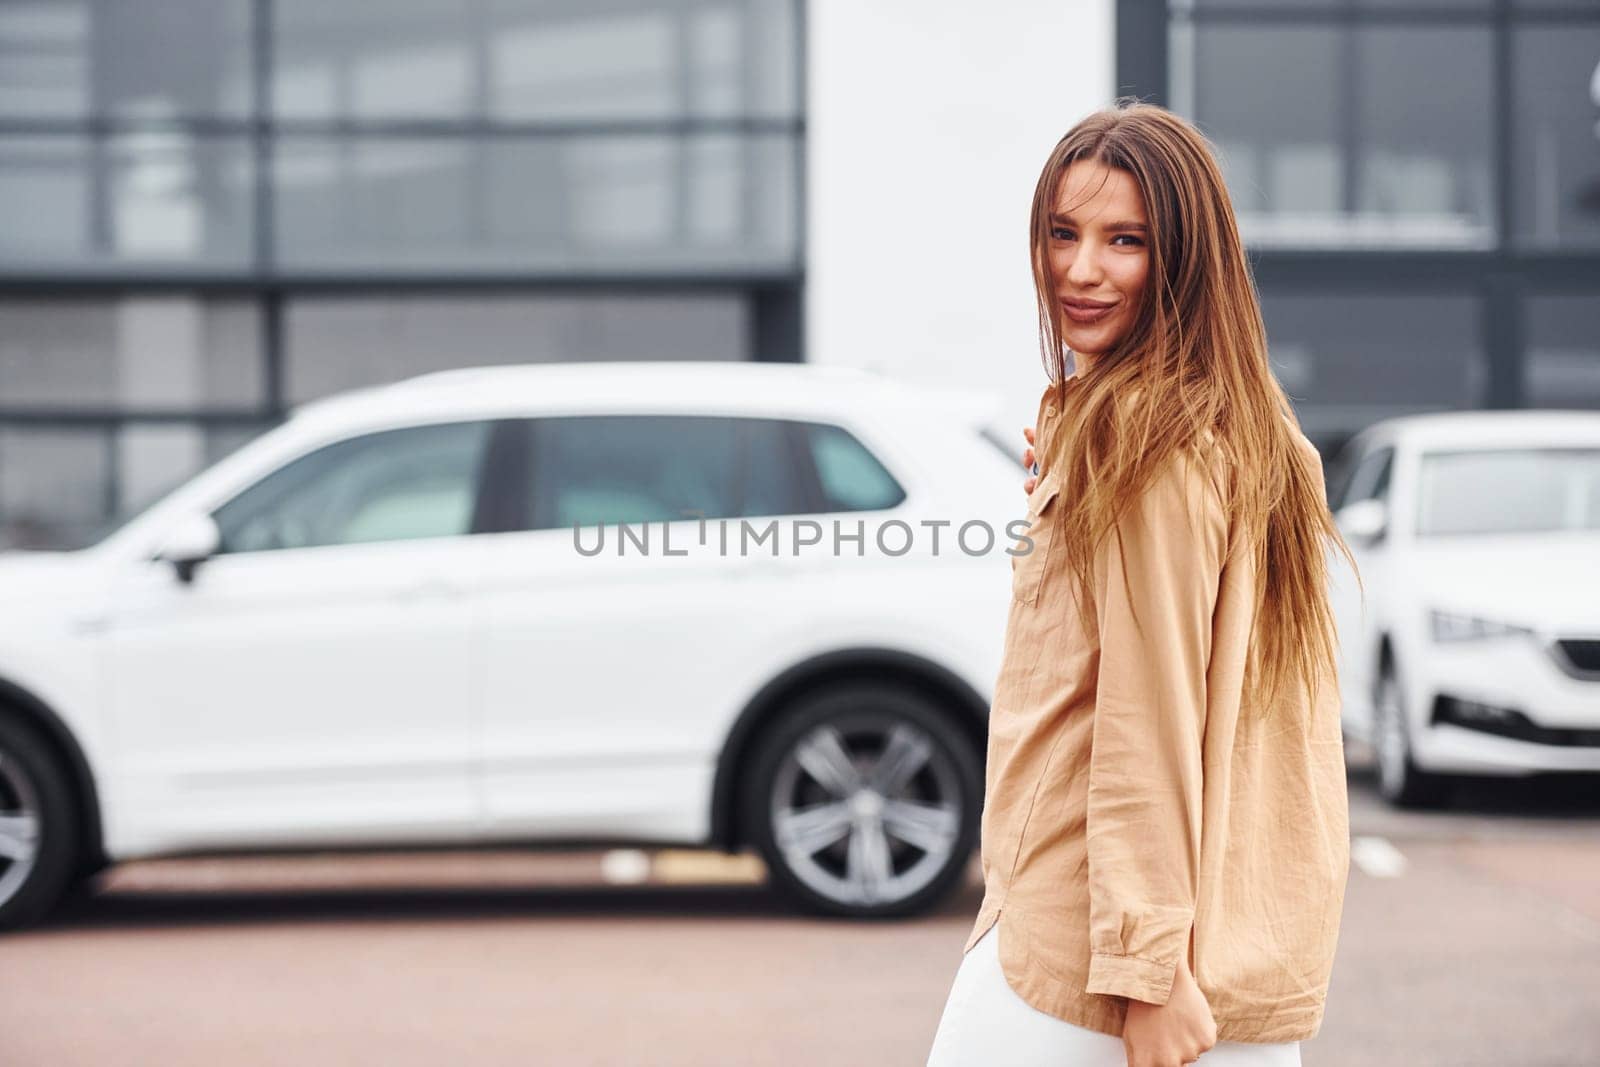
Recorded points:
(985,1022)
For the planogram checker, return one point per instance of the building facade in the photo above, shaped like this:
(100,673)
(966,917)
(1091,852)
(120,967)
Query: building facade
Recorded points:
(212,210)
(1419,181)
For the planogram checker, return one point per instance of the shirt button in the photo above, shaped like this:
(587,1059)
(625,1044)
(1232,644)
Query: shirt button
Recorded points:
(1050,409)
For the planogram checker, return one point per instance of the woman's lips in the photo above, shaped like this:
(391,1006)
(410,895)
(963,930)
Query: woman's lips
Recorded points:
(1086,313)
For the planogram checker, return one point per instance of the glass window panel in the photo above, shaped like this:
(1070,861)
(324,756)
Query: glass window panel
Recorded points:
(396,485)
(774,482)
(1556,122)
(530,60)
(337,343)
(624,203)
(1348,360)
(1424,140)
(153,58)
(1279,153)
(1339,470)
(599,64)
(632,469)
(398,59)
(54,485)
(44,51)
(1370,481)
(1329,6)
(1507,491)
(1181,6)
(134,352)
(157,198)
(1409,168)
(852,478)
(1561,368)
(49,203)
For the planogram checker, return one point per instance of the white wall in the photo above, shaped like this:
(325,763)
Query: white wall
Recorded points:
(928,122)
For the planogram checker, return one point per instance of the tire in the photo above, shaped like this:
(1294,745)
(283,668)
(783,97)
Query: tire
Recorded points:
(1400,782)
(863,798)
(38,826)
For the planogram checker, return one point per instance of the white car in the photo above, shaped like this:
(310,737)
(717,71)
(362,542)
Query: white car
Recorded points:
(1477,535)
(381,623)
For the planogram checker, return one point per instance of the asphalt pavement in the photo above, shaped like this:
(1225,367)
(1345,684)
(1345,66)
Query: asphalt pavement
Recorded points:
(1470,937)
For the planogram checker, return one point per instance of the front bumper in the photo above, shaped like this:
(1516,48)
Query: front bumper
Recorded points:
(1504,706)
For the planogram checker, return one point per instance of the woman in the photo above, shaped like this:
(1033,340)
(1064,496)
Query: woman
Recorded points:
(1165,829)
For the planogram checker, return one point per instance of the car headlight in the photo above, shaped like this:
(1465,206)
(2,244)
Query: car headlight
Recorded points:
(1449,626)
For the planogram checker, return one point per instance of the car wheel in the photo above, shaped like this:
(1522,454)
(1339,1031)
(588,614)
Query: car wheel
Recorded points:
(1400,781)
(864,801)
(38,826)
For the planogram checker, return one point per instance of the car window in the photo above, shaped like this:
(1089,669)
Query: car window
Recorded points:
(1338,471)
(394,485)
(852,479)
(1530,490)
(592,469)
(777,478)
(1371,478)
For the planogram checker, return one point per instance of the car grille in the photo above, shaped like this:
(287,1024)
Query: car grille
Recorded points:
(1582,653)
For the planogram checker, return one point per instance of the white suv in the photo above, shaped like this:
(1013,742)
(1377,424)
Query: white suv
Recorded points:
(384,621)
(1477,651)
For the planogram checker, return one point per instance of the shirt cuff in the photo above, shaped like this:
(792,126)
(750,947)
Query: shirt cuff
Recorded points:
(1132,977)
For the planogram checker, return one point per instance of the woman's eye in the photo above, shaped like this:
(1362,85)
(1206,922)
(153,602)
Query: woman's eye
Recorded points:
(1061,233)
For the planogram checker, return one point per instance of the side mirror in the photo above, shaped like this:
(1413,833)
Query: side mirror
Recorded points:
(1365,519)
(190,543)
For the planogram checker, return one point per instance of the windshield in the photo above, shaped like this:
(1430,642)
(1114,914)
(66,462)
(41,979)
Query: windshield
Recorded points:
(1523,490)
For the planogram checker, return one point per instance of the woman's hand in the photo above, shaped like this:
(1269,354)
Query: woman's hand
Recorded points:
(1171,1034)
(1027,460)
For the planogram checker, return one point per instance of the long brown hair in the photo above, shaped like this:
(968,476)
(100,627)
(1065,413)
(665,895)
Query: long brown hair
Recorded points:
(1197,355)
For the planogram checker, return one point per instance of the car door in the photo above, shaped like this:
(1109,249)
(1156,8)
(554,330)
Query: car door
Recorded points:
(609,676)
(312,682)
(1357,622)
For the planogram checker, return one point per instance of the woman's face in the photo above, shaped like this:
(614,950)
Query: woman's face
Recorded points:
(1099,254)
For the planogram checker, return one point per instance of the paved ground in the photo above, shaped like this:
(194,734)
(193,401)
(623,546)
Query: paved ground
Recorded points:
(1469,938)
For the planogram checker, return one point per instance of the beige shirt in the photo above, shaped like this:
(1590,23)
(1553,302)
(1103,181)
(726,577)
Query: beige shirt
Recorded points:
(1131,801)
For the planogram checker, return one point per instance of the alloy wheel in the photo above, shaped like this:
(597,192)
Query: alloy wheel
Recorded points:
(1400,781)
(19,826)
(1392,750)
(866,810)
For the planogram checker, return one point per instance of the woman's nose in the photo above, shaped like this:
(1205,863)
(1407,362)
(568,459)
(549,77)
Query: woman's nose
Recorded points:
(1084,270)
